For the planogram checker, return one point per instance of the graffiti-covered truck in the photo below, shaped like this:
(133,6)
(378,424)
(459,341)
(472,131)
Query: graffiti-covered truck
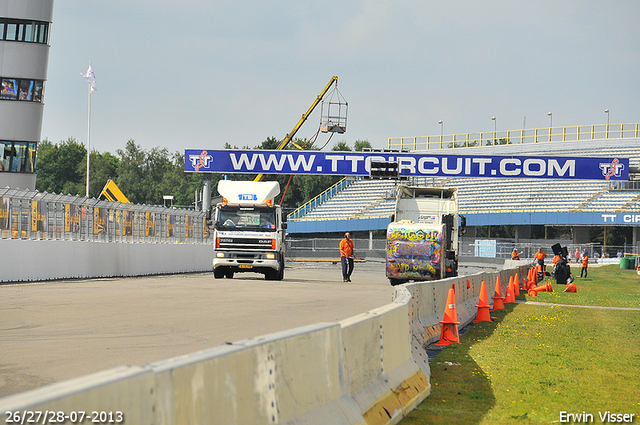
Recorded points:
(422,240)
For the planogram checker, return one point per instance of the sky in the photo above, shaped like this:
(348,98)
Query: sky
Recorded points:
(199,74)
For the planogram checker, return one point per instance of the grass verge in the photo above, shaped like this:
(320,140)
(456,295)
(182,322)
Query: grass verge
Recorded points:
(533,362)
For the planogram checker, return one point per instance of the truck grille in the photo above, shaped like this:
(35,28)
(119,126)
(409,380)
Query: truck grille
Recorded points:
(245,244)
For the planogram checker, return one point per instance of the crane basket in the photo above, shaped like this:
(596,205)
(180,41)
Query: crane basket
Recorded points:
(333,118)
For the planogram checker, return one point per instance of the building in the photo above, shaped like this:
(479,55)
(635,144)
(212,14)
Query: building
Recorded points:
(24,56)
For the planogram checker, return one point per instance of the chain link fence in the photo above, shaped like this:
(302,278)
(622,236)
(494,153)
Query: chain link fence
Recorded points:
(27,214)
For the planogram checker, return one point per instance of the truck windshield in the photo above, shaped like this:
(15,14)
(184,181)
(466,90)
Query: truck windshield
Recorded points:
(234,217)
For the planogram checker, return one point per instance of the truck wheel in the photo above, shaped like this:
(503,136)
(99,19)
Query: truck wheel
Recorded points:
(395,282)
(229,275)
(280,273)
(218,273)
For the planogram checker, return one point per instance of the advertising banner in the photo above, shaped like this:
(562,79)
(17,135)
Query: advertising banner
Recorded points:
(150,224)
(99,220)
(71,218)
(4,216)
(38,214)
(171,224)
(188,227)
(127,218)
(409,164)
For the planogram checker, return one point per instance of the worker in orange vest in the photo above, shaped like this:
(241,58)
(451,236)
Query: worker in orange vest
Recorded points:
(585,264)
(346,257)
(540,256)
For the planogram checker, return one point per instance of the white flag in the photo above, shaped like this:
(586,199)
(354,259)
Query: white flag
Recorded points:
(91,78)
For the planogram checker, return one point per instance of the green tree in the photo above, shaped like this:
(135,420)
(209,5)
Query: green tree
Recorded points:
(341,146)
(102,168)
(131,172)
(61,167)
(360,145)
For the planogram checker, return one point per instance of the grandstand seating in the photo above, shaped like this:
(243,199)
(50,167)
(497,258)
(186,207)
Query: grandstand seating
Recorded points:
(366,198)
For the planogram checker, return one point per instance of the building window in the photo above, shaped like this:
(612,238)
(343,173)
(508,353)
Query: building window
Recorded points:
(21,89)
(18,157)
(23,30)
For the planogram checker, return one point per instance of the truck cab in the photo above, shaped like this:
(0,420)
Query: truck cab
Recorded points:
(249,230)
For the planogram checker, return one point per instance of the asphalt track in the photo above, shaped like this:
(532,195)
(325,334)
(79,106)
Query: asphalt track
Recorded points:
(52,331)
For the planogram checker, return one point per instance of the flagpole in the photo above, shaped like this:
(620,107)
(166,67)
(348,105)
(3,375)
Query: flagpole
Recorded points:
(88,137)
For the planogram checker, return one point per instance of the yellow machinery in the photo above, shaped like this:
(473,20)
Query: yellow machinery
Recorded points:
(333,121)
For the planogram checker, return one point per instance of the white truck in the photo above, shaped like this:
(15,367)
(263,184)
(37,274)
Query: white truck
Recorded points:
(422,241)
(249,230)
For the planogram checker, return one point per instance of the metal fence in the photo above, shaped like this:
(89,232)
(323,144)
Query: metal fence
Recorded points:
(508,137)
(28,214)
(329,247)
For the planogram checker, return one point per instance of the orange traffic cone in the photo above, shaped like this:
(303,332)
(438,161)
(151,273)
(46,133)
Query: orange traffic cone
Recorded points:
(497,297)
(449,333)
(510,297)
(468,284)
(483,305)
(516,285)
(544,288)
(571,287)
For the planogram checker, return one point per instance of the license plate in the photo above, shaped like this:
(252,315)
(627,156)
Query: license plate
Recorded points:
(245,266)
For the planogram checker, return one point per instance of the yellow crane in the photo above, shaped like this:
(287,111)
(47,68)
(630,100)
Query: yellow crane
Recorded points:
(289,137)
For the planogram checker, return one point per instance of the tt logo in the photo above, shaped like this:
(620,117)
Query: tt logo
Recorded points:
(613,169)
(200,161)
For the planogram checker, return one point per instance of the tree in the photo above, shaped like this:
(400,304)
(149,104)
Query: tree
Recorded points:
(61,167)
(360,145)
(131,172)
(341,146)
(102,168)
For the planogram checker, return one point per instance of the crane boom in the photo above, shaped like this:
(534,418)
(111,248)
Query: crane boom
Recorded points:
(289,137)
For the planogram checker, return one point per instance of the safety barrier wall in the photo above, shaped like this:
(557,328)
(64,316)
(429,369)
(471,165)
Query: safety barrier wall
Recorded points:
(368,369)
(33,260)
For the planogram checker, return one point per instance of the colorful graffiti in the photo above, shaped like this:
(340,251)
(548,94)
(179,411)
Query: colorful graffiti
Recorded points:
(414,253)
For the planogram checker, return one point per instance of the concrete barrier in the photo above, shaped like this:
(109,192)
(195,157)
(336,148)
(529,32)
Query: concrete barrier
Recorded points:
(33,260)
(383,379)
(121,393)
(368,369)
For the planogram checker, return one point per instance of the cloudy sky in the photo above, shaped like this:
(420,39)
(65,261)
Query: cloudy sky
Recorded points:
(198,74)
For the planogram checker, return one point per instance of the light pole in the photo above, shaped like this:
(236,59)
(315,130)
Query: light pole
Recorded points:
(606,111)
(550,123)
(494,124)
(441,131)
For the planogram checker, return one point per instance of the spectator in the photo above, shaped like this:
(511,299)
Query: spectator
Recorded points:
(515,255)
(620,255)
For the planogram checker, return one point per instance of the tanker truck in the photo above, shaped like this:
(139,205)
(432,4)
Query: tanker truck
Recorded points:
(249,230)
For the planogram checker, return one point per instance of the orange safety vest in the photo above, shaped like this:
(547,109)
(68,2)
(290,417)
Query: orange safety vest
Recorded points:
(346,248)
(585,261)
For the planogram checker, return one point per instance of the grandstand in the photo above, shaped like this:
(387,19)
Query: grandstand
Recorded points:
(490,201)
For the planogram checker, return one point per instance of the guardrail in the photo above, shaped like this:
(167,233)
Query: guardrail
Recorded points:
(28,214)
(508,137)
(368,369)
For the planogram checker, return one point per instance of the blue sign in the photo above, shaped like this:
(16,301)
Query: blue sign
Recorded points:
(409,164)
